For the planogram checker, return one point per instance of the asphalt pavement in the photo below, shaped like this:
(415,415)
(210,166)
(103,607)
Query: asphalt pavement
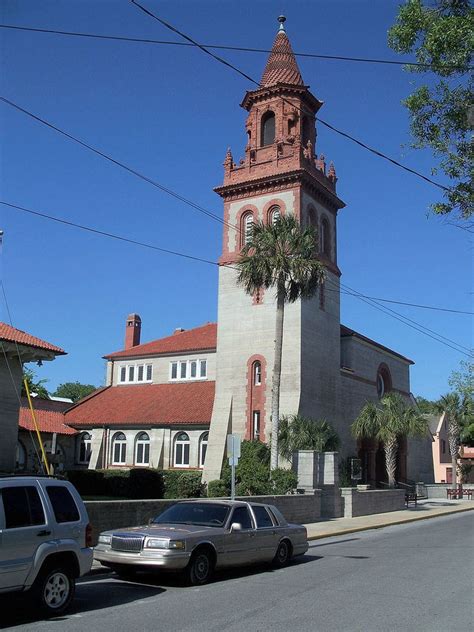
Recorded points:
(414,576)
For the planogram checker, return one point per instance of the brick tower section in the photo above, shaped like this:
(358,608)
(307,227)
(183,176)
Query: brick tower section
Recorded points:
(279,174)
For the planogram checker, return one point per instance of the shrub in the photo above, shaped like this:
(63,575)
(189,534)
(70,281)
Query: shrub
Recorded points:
(283,481)
(217,489)
(87,482)
(182,484)
(145,483)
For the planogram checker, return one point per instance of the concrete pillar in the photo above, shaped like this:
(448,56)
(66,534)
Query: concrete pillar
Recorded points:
(10,388)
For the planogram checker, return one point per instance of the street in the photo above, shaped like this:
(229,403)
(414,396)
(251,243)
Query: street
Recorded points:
(417,576)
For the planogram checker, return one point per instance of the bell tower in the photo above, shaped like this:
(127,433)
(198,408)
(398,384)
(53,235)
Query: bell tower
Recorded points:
(280,173)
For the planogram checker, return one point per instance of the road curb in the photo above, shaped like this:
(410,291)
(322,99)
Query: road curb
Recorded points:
(387,524)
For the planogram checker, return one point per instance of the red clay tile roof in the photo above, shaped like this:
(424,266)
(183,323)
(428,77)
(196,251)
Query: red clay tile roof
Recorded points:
(10,334)
(199,338)
(162,404)
(281,65)
(49,416)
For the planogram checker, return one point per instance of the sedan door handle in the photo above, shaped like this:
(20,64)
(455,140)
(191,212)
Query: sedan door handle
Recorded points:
(42,533)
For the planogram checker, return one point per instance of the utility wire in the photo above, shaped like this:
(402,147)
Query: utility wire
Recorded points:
(89,229)
(409,322)
(140,175)
(246,76)
(366,60)
(415,325)
(387,300)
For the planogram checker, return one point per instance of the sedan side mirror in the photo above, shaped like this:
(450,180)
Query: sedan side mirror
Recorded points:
(235,526)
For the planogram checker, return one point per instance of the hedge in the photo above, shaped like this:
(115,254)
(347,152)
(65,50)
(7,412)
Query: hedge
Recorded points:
(137,483)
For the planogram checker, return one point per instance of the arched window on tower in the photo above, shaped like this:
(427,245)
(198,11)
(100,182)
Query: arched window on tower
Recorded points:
(257,373)
(246,228)
(306,130)
(267,135)
(325,238)
(274,215)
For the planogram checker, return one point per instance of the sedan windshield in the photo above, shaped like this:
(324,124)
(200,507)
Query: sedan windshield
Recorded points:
(202,514)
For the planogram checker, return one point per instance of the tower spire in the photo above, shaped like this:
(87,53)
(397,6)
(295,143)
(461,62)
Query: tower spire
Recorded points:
(281,65)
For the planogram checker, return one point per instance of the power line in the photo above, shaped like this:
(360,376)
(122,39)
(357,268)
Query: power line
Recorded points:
(119,38)
(409,322)
(376,152)
(104,233)
(417,305)
(414,324)
(140,175)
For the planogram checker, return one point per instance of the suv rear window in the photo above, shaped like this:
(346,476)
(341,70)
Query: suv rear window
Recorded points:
(22,507)
(64,507)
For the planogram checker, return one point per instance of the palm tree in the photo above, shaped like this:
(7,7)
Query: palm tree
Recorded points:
(301,433)
(280,255)
(389,421)
(459,412)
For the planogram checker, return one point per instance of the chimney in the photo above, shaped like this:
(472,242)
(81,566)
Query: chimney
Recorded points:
(132,331)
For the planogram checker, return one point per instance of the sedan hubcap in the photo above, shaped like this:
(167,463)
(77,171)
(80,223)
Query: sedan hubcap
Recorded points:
(56,590)
(202,567)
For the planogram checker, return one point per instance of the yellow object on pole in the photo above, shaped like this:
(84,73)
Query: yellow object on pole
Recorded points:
(32,410)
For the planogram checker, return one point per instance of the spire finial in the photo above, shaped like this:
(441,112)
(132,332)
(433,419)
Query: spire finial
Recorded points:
(282,20)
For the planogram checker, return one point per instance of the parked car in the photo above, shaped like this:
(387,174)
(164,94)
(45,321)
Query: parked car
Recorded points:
(200,536)
(45,540)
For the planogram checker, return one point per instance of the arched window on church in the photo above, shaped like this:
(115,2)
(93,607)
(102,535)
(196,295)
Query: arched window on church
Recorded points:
(246,228)
(274,215)
(312,218)
(384,381)
(325,238)
(267,130)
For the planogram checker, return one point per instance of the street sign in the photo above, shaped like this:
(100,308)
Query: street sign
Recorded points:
(233,446)
(233,454)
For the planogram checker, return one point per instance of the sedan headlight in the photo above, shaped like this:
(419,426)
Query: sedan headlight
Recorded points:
(105,539)
(155,543)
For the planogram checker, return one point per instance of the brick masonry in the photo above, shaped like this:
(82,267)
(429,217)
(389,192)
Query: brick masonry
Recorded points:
(372,501)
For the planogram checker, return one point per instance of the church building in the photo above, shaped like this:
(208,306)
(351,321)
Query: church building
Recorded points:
(171,402)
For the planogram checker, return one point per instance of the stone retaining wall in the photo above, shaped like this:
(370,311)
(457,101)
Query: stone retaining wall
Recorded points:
(438,490)
(113,514)
(371,501)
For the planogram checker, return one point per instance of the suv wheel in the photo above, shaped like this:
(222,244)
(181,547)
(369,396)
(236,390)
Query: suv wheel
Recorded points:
(54,590)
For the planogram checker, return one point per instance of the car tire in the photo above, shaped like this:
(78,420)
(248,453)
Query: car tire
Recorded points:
(53,590)
(282,555)
(200,568)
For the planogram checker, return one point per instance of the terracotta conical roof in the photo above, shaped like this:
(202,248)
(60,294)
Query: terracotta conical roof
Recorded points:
(281,65)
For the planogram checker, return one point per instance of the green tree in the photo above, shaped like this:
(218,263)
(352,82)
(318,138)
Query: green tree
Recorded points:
(426,406)
(459,411)
(462,380)
(302,433)
(280,255)
(35,386)
(388,421)
(74,390)
(441,34)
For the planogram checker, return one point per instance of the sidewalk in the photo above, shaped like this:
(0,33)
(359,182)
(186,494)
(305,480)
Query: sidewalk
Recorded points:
(431,508)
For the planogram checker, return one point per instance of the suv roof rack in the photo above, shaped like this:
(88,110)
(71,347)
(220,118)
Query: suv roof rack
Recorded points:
(31,475)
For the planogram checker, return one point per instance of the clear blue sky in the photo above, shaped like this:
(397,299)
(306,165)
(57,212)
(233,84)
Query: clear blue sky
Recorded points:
(171,112)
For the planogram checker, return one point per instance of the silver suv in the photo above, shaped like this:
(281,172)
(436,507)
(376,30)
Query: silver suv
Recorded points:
(45,540)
